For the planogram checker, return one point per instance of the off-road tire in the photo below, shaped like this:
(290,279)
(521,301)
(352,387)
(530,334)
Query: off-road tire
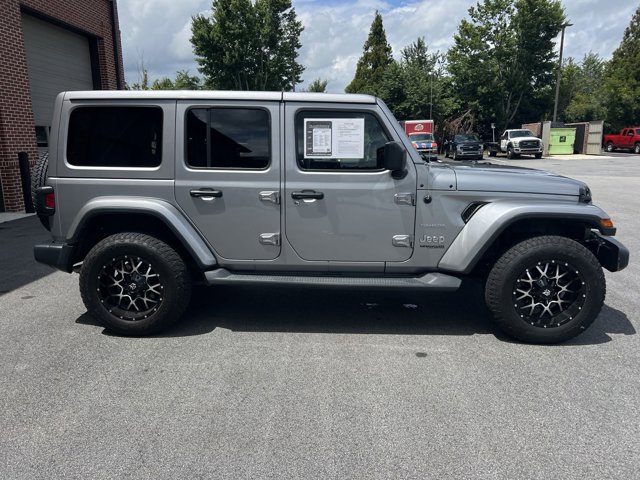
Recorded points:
(503,278)
(38,179)
(172,273)
(636,148)
(610,148)
(510,153)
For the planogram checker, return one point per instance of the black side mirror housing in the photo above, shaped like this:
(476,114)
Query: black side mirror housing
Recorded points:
(395,159)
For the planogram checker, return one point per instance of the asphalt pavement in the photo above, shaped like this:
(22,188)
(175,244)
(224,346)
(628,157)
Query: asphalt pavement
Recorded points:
(312,384)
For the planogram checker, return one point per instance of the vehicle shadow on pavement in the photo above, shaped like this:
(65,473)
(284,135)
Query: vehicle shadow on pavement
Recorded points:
(305,310)
(17,265)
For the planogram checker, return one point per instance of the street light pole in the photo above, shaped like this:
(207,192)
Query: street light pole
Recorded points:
(555,104)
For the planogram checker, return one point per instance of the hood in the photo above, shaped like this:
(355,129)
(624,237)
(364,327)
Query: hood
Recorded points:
(503,178)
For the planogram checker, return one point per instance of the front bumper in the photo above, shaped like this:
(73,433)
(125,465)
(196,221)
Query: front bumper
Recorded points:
(469,153)
(527,150)
(611,254)
(57,255)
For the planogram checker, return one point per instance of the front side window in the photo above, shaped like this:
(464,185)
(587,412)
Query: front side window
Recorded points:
(115,137)
(339,140)
(228,138)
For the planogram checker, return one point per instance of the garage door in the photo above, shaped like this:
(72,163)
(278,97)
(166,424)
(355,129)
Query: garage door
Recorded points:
(57,60)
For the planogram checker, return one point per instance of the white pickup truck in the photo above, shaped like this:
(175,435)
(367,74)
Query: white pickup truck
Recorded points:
(515,143)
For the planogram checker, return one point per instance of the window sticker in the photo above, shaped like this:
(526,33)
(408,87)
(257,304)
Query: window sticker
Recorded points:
(334,137)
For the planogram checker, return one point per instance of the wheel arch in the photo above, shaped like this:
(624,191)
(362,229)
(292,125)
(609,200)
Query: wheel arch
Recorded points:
(495,228)
(106,216)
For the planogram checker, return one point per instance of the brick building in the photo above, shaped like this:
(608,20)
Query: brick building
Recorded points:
(47,46)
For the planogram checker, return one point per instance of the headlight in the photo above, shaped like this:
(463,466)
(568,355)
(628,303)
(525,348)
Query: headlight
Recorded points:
(516,143)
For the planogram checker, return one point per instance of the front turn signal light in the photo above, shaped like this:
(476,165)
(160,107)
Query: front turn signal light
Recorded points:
(606,223)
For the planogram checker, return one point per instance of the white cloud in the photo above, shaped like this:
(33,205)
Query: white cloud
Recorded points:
(335,31)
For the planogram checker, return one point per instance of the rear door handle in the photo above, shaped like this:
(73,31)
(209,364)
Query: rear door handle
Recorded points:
(206,193)
(307,194)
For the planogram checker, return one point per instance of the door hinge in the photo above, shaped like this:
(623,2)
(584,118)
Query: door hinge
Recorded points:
(405,198)
(269,239)
(270,196)
(402,241)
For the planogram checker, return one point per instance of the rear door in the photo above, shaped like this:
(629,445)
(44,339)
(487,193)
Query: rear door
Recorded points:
(228,175)
(340,204)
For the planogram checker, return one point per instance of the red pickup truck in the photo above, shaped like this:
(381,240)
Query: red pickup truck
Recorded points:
(628,139)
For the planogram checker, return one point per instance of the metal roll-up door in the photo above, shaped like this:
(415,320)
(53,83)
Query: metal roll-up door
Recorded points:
(57,60)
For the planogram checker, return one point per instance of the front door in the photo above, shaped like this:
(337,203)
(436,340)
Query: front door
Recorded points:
(340,203)
(228,175)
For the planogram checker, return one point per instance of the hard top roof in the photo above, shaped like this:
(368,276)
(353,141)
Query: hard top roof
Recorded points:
(217,95)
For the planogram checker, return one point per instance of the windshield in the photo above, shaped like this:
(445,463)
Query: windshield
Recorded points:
(421,137)
(522,133)
(467,137)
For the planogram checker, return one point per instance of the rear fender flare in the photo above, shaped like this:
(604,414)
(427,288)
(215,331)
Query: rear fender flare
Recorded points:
(164,211)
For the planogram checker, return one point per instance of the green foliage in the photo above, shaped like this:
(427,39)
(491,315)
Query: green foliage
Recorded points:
(245,45)
(374,61)
(409,86)
(503,57)
(183,81)
(581,90)
(622,79)
(318,86)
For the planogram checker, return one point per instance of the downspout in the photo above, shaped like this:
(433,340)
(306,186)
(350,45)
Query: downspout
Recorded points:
(114,39)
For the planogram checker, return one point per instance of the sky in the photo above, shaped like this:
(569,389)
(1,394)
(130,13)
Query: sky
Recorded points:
(156,32)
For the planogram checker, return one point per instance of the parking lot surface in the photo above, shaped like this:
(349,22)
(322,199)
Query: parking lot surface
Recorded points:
(304,384)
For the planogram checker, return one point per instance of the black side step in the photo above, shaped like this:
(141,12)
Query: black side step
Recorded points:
(430,281)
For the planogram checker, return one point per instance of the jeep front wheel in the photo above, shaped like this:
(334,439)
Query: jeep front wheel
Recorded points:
(546,289)
(134,284)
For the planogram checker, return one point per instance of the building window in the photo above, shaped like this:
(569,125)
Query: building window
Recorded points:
(42,136)
(115,137)
(228,138)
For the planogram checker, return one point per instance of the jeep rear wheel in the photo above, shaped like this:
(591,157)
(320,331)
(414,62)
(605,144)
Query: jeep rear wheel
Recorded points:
(134,284)
(545,289)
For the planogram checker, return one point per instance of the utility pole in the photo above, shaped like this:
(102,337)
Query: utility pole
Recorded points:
(555,104)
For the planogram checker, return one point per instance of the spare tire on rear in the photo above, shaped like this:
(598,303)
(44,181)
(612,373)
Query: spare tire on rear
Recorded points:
(38,179)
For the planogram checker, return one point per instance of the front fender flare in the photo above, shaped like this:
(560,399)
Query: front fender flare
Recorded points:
(164,211)
(491,220)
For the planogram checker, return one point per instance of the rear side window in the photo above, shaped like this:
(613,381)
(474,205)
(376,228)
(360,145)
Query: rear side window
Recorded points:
(115,137)
(228,138)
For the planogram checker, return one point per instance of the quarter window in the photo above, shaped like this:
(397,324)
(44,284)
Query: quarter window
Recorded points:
(228,138)
(339,140)
(115,137)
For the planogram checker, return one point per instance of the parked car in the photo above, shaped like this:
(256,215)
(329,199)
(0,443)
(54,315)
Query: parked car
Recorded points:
(464,146)
(517,142)
(627,139)
(146,193)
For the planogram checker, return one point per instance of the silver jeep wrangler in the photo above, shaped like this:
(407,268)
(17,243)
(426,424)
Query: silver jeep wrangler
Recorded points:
(146,193)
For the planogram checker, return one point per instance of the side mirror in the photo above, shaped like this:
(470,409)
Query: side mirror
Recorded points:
(395,159)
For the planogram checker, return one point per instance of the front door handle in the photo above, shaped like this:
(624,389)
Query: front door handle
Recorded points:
(206,193)
(307,195)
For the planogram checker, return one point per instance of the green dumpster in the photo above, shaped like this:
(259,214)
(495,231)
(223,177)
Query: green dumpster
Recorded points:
(561,141)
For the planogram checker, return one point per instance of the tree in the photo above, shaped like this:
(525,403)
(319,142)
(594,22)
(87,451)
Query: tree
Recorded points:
(411,85)
(503,58)
(622,79)
(318,86)
(581,89)
(183,81)
(375,59)
(245,45)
